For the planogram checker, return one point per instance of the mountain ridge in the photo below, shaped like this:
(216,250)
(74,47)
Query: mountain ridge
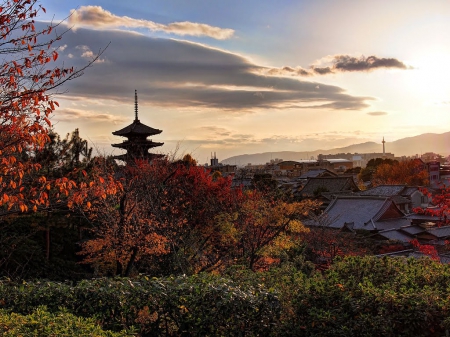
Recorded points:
(408,146)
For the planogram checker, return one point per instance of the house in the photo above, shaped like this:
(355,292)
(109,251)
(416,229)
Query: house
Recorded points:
(405,197)
(315,187)
(369,213)
(318,173)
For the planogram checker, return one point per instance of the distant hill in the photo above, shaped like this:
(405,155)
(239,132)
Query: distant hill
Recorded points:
(427,142)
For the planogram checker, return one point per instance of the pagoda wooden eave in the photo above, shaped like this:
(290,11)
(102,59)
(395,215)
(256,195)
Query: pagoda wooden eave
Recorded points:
(137,128)
(127,144)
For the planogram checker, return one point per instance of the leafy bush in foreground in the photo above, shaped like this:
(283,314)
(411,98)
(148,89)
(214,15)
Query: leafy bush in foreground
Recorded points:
(41,323)
(203,305)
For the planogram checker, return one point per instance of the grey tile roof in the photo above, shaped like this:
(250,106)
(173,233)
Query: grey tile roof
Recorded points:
(317,173)
(331,184)
(357,210)
(440,232)
(392,224)
(394,234)
(384,190)
(398,199)
(409,190)
(423,217)
(413,229)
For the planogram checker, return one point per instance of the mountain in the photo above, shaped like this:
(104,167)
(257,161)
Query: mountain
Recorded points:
(427,142)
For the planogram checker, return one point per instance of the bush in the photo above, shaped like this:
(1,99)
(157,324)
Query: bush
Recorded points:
(373,297)
(41,323)
(202,305)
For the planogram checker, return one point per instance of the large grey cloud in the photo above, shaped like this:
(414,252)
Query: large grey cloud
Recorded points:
(169,72)
(340,63)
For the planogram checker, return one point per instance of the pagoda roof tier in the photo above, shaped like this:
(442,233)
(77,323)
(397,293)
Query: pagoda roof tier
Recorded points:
(126,157)
(137,128)
(128,143)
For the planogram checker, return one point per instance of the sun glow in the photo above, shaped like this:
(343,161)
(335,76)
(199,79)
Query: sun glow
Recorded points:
(429,78)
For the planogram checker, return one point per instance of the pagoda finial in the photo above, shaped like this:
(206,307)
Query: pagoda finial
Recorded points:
(135,106)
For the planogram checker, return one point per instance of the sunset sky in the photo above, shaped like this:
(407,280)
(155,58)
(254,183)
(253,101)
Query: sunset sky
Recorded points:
(236,77)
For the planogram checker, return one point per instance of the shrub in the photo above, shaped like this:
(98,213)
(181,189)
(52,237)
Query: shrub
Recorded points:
(204,305)
(41,323)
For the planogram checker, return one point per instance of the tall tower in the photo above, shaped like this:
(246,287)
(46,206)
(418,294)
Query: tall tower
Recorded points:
(137,144)
(384,152)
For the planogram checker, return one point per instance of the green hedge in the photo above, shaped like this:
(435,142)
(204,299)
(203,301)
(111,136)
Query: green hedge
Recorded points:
(373,297)
(41,323)
(356,297)
(203,305)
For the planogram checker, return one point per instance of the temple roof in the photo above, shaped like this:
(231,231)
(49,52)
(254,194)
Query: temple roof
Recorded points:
(137,128)
(143,143)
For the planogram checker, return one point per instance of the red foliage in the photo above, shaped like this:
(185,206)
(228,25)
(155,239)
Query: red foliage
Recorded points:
(28,75)
(426,249)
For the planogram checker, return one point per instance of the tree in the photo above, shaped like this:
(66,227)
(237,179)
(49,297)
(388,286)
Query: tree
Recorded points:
(366,173)
(262,226)
(411,172)
(29,77)
(162,211)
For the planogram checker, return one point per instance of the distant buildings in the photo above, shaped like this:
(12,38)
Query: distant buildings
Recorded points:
(215,166)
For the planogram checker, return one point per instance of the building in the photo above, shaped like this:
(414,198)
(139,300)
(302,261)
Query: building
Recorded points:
(137,143)
(215,166)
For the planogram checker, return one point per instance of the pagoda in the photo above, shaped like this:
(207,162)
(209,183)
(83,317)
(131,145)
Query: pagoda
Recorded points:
(137,144)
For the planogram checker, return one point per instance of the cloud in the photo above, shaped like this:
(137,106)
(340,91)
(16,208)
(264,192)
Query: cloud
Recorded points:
(97,17)
(86,52)
(179,74)
(214,131)
(349,63)
(338,64)
(377,113)
(69,115)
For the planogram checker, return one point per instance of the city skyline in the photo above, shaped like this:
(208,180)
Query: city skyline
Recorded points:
(236,78)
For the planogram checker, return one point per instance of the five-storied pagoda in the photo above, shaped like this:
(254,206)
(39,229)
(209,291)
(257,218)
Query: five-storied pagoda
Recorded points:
(137,144)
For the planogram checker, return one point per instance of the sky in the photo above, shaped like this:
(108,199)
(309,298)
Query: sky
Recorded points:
(239,77)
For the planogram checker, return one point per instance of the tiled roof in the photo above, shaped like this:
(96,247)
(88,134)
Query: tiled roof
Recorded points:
(316,173)
(384,190)
(409,190)
(392,224)
(413,229)
(137,128)
(424,217)
(398,199)
(393,234)
(440,232)
(329,184)
(357,210)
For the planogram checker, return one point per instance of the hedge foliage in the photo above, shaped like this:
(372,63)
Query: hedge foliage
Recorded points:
(41,323)
(356,297)
(203,305)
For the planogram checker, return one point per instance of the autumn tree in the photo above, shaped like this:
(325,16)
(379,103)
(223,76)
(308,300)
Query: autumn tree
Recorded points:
(366,173)
(262,227)
(176,217)
(161,213)
(410,172)
(29,77)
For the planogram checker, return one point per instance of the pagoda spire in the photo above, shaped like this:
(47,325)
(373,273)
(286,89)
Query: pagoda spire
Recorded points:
(137,144)
(136,106)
